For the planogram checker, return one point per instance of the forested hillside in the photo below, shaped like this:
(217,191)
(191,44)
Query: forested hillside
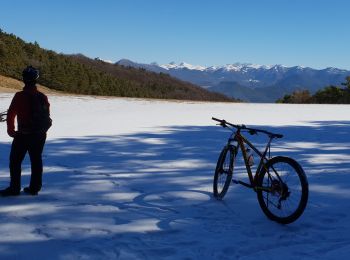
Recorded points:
(328,95)
(81,75)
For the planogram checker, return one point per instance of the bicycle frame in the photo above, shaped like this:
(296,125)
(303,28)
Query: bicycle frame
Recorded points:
(242,142)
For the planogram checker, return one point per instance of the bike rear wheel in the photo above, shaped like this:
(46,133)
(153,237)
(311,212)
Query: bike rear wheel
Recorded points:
(223,172)
(282,190)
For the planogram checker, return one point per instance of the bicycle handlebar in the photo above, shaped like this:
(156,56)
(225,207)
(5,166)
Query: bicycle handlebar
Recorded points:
(3,116)
(252,131)
(224,123)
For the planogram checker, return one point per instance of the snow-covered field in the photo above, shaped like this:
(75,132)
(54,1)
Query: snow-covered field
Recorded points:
(132,179)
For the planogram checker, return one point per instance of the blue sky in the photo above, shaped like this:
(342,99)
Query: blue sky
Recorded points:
(312,33)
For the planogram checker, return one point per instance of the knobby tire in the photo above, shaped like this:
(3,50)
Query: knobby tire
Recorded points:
(223,172)
(282,190)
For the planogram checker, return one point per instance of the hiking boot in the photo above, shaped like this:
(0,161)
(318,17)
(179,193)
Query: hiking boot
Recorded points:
(9,192)
(29,191)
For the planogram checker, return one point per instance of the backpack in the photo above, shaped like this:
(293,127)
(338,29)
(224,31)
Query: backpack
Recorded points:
(40,114)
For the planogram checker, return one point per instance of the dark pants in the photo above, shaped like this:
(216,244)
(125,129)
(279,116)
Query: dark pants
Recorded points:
(34,145)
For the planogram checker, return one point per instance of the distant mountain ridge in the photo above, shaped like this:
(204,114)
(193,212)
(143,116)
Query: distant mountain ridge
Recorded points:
(251,82)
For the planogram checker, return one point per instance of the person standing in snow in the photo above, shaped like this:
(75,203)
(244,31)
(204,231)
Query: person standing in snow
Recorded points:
(32,109)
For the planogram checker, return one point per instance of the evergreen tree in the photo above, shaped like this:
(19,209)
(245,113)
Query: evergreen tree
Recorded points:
(328,95)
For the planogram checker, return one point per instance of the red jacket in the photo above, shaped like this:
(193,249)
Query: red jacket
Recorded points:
(21,107)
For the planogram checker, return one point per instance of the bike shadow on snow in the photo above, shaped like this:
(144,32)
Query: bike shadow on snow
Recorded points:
(149,183)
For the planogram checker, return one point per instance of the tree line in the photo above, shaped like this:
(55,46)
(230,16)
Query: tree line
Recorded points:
(81,75)
(328,95)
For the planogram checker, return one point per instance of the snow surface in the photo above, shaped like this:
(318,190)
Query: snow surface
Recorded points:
(132,179)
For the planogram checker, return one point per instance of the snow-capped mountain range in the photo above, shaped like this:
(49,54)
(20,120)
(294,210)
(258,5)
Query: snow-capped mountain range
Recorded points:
(182,65)
(228,67)
(251,82)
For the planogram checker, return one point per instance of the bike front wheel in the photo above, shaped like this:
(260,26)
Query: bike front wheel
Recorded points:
(282,190)
(223,172)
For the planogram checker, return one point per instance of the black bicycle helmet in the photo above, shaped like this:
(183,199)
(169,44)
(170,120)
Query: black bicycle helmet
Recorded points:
(30,74)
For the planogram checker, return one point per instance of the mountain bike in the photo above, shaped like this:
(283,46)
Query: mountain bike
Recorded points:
(280,182)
